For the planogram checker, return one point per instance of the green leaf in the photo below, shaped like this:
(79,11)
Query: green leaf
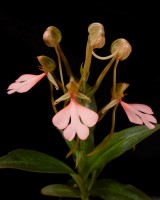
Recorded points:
(61,190)
(119,143)
(34,161)
(113,190)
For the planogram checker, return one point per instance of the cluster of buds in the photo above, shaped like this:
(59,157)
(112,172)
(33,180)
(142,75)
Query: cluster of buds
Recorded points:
(77,115)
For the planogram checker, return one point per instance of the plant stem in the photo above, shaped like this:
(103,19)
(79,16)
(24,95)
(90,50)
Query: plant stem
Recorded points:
(82,184)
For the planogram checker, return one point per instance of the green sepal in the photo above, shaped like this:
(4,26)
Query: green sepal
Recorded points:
(60,190)
(33,161)
(119,143)
(112,190)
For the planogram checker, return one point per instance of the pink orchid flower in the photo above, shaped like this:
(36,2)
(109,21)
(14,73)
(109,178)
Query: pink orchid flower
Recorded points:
(24,83)
(75,118)
(139,114)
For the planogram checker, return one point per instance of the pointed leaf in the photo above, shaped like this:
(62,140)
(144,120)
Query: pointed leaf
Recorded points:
(61,190)
(111,189)
(34,161)
(119,143)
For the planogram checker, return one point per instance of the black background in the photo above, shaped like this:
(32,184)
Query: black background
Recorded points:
(26,118)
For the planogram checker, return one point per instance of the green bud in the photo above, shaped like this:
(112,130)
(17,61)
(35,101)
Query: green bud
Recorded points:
(52,36)
(47,63)
(122,47)
(96,35)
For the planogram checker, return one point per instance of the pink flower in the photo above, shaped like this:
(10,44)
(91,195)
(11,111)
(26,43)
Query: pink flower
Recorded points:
(139,114)
(24,83)
(75,118)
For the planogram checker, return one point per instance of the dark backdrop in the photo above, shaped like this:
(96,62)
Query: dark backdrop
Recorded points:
(26,118)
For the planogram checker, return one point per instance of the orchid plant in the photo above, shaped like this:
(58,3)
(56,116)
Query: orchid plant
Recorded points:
(76,118)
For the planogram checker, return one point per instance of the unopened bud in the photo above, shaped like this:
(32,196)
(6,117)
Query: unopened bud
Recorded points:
(122,47)
(96,35)
(47,63)
(52,36)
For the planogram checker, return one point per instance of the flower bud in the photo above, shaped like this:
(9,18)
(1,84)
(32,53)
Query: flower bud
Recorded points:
(52,36)
(96,35)
(122,47)
(47,63)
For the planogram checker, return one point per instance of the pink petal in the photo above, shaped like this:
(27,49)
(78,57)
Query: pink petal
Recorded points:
(61,119)
(133,113)
(130,114)
(31,81)
(142,107)
(73,112)
(82,131)
(24,83)
(20,87)
(145,118)
(147,123)
(88,117)
(25,87)
(25,77)
(76,125)
(69,132)
(13,88)
(151,118)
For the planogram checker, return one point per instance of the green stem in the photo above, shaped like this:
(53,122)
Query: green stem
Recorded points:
(100,78)
(66,64)
(87,64)
(73,148)
(114,78)
(93,178)
(60,68)
(113,125)
(107,139)
(82,184)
